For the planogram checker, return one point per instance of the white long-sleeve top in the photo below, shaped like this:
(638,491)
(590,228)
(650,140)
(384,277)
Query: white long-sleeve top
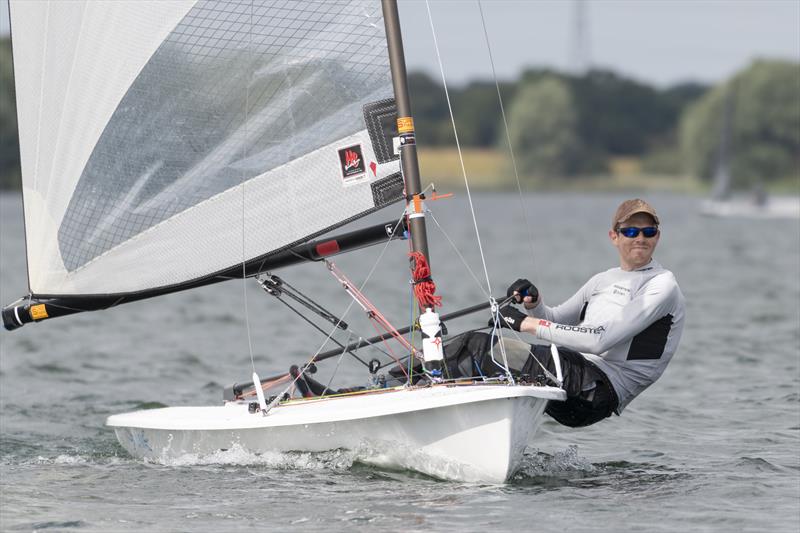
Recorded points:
(628,323)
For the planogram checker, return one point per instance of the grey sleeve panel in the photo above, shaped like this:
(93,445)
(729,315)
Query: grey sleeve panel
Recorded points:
(569,312)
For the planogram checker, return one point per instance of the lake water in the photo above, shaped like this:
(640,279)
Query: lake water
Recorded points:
(713,446)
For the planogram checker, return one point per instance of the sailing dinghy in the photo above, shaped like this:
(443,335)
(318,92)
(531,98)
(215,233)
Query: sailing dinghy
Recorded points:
(723,203)
(170,145)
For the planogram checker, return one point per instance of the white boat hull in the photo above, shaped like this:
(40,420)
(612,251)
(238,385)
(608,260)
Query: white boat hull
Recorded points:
(469,432)
(774,208)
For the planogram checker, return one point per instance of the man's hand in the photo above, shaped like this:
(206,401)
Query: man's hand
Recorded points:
(510,317)
(525,292)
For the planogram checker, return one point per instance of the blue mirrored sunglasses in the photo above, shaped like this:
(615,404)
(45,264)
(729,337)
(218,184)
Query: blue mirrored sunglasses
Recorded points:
(632,232)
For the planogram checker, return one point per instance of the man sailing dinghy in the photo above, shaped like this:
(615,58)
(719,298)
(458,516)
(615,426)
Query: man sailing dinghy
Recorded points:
(169,145)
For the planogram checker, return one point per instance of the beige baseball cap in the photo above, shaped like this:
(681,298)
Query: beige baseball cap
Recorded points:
(628,208)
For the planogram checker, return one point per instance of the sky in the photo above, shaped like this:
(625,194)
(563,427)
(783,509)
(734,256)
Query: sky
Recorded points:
(662,42)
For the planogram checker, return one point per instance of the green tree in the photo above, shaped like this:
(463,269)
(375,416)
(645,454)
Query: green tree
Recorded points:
(9,144)
(429,108)
(764,125)
(476,108)
(619,116)
(543,128)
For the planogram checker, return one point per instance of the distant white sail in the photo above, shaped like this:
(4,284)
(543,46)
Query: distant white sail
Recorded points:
(165,141)
(722,172)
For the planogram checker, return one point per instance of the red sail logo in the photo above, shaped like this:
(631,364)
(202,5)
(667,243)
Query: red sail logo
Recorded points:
(351,160)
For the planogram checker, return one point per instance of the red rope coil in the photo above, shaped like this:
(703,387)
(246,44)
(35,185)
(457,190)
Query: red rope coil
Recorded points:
(424,287)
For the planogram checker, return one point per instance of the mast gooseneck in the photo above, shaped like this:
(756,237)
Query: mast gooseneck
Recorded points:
(405,129)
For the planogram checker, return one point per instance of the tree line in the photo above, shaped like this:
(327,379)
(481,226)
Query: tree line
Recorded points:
(563,125)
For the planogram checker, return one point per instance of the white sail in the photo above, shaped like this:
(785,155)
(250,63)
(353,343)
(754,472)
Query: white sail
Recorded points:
(165,141)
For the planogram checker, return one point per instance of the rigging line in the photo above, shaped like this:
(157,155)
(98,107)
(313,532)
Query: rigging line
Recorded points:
(336,368)
(383,251)
(496,330)
(242,185)
(392,355)
(274,402)
(374,314)
(411,334)
(363,284)
(508,138)
(458,146)
(338,322)
(516,335)
(458,253)
(412,297)
(315,326)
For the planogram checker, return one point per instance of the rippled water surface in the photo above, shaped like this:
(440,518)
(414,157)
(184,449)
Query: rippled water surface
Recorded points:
(713,446)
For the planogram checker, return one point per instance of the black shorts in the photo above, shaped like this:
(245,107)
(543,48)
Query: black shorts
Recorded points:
(590,396)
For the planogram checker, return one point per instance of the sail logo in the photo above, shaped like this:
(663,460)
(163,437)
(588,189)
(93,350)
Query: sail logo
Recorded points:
(351,160)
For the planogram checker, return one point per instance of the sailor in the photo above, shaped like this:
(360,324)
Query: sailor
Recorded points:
(616,335)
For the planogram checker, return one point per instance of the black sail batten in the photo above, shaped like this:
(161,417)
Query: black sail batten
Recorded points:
(39,307)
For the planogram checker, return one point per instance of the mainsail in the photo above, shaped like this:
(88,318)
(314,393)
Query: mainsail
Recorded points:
(165,142)
(721,190)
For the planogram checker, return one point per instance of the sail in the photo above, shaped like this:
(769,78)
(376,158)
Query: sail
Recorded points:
(164,142)
(721,189)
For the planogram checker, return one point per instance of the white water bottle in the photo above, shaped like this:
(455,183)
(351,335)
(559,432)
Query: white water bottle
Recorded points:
(432,341)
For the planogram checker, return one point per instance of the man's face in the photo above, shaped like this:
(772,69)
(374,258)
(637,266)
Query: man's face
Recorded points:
(637,251)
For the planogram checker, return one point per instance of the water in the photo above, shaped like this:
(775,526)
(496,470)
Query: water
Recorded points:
(713,446)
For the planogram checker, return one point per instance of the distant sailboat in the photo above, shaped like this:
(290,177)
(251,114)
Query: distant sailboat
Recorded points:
(723,203)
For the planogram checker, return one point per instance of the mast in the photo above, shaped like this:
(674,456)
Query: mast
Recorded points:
(405,129)
(429,322)
(580,57)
